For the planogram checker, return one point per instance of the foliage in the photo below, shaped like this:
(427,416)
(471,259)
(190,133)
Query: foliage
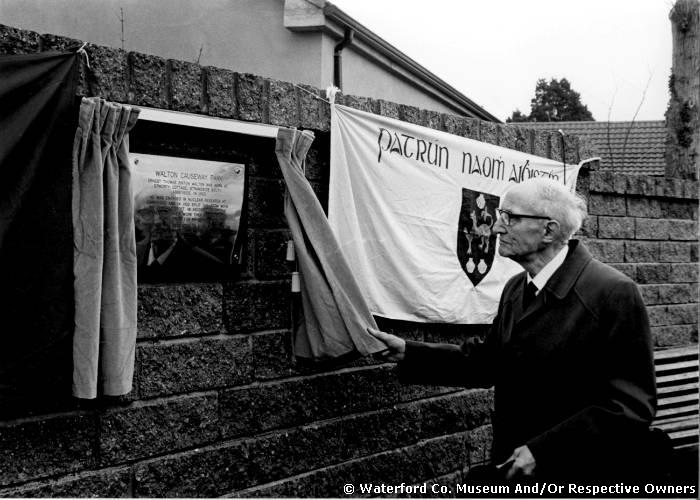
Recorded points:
(554,101)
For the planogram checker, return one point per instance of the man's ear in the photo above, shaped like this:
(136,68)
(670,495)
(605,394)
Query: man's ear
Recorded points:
(552,230)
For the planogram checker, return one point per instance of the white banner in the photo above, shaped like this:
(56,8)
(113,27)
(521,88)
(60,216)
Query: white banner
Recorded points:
(413,209)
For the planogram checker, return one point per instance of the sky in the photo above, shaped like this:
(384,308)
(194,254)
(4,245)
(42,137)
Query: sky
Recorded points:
(615,53)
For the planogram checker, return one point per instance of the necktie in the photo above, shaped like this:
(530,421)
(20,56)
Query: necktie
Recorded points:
(529,295)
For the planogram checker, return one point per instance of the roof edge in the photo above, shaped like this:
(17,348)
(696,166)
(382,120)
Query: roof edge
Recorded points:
(314,15)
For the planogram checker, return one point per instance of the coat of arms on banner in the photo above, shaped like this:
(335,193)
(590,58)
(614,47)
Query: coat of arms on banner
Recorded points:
(476,241)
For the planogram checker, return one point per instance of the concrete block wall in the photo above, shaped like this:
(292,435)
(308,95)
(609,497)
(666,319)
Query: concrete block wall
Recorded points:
(220,406)
(647,227)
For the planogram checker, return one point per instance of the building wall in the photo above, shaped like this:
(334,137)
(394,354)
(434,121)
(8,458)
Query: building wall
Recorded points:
(364,78)
(221,407)
(246,35)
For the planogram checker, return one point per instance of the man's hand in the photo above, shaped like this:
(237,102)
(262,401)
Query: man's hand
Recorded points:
(523,464)
(396,345)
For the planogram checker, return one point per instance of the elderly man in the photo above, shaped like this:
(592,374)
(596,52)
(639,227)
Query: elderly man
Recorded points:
(569,352)
(162,251)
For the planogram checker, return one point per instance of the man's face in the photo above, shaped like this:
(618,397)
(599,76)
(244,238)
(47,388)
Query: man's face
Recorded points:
(523,237)
(156,221)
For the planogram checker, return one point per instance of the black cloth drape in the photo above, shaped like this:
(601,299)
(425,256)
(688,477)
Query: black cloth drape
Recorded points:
(38,118)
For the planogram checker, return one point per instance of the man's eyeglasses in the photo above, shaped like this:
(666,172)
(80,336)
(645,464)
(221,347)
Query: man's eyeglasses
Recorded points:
(506,216)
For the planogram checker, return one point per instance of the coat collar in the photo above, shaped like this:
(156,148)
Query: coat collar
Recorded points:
(563,279)
(559,285)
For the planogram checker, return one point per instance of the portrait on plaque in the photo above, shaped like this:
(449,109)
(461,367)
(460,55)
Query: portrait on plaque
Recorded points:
(186,216)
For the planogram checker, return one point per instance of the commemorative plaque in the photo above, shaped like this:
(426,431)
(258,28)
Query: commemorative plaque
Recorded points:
(186,215)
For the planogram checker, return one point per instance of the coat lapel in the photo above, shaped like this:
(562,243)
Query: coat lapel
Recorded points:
(561,282)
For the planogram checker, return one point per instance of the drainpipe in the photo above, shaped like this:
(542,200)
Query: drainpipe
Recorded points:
(563,151)
(338,57)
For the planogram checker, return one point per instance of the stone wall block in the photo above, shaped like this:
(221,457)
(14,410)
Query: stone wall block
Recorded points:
(155,428)
(644,207)
(54,445)
(254,306)
(587,148)
(185,86)
(108,73)
(432,119)
(289,403)
(555,147)
(691,189)
(312,110)
(388,109)
(650,294)
(59,43)
(642,251)
(606,204)
(541,145)
(673,251)
(15,41)
(672,209)
(249,97)
(454,125)
(681,293)
(651,229)
(362,103)
(410,114)
(272,355)
(283,104)
(673,188)
(148,81)
(186,366)
(271,253)
(571,147)
(488,132)
(602,182)
(684,273)
(220,96)
(266,203)
(683,230)
(180,310)
(653,273)
(629,270)
(204,472)
(523,140)
(589,228)
(641,185)
(473,129)
(616,227)
(456,412)
(410,465)
(675,335)
(479,444)
(461,126)
(507,136)
(607,250)
(110,483)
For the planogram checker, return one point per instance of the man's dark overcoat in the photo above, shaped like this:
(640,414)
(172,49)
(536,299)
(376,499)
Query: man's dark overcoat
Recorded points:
(573,373)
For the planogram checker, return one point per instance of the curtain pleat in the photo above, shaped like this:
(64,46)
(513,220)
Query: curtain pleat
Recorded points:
(104,251)
(335,314)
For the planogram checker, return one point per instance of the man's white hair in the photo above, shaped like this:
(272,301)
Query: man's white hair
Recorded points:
(552,199)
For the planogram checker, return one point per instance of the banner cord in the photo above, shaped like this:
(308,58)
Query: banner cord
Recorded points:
(313,94)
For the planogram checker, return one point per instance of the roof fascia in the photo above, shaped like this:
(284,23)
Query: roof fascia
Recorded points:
(319,15)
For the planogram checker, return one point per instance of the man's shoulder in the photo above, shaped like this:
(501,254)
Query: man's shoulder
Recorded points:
(514,282)
(600,282)
(605,274)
